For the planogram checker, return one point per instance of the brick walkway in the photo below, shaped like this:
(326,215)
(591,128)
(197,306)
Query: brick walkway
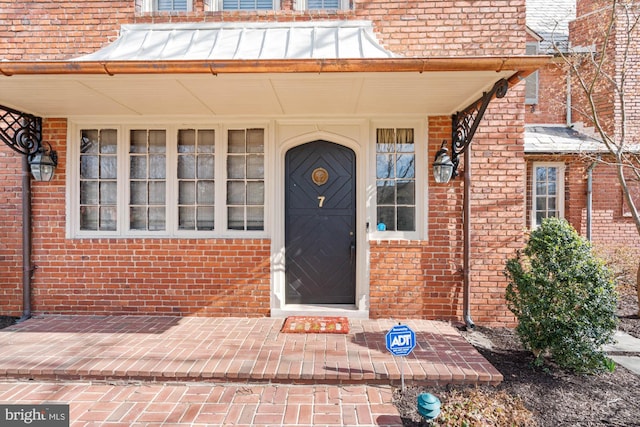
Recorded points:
(203,404)
(135,370)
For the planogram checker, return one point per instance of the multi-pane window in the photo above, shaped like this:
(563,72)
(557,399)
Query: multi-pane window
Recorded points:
(247,4)
(147,179)
(196,184)
(321,4)
(548,191)
(395,179)
(245,179)
(172,5)
(98,179)
(184,181)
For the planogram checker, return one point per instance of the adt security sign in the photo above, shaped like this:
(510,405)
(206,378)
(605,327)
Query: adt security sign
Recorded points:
(401,340)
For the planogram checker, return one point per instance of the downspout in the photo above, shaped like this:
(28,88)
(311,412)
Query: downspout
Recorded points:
(466,254)
(568,113)
(590,197)
(26,239)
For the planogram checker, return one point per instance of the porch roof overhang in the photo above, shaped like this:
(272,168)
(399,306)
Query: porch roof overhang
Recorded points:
(136,77)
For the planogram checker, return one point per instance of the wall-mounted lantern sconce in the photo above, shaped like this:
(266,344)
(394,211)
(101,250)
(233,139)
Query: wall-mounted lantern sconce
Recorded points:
(463,126)
(443,165)
(43,163)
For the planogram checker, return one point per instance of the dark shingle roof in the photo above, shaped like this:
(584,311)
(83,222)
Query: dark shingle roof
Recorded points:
(550,19)
(541,139)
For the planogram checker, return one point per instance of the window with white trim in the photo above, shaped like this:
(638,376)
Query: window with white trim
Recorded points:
(395,179)
(147,179)
(196,179)
(321,4)
(166,181)
(245,179)
(98,179)
(246,4)
(172,5)
(167,5)
(547,186)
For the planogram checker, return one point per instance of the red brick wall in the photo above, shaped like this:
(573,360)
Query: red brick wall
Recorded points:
(429,273)
(498,201)
(609,226)
(62,29)
(552,97)
(231,277)
(10,231)
(586,31)
(221,277)
(424,277)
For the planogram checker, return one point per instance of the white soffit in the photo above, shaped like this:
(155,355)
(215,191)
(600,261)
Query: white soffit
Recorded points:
(429,93)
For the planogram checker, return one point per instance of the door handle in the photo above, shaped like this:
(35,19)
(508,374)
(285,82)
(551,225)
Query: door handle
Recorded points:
(353,251)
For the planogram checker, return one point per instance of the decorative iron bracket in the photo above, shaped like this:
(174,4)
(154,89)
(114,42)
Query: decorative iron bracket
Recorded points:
(20,131)
(465,123)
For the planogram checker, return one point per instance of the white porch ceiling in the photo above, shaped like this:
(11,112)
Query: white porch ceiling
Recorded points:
(277,94)
(319,68)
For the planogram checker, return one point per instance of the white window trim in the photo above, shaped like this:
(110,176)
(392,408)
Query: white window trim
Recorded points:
(560,190)
(152,6)
(217,7)
(171,197)
(302,5)
(420,141)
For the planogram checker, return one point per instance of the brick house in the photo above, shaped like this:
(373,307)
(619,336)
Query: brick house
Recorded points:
(561,146)
(263,158)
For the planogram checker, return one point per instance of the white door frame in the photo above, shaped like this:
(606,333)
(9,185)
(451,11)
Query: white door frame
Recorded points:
(353,135)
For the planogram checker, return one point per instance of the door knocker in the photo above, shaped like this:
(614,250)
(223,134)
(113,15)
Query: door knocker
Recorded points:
(320,176)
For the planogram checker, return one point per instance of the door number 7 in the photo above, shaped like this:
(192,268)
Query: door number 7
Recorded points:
(320,201)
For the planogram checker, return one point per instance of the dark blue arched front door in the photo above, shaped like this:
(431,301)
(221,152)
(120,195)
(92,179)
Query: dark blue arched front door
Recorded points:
(320,220)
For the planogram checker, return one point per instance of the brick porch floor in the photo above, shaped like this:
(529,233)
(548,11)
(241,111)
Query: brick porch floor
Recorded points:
(233,349)
(169,371)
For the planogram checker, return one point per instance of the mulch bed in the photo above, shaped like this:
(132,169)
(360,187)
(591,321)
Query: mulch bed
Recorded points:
(6,321)
(535,396)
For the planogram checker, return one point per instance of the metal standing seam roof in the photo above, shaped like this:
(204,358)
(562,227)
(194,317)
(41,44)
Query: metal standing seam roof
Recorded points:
(243,41)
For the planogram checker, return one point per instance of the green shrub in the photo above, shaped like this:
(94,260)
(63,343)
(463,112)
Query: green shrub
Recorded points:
(563,297)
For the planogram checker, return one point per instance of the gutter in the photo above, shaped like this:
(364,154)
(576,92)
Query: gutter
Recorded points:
(523,65)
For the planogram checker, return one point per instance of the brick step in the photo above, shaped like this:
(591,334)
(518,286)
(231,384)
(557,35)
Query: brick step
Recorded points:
(164,349)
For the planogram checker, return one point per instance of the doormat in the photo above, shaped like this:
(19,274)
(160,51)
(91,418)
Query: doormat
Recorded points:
(316,325)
